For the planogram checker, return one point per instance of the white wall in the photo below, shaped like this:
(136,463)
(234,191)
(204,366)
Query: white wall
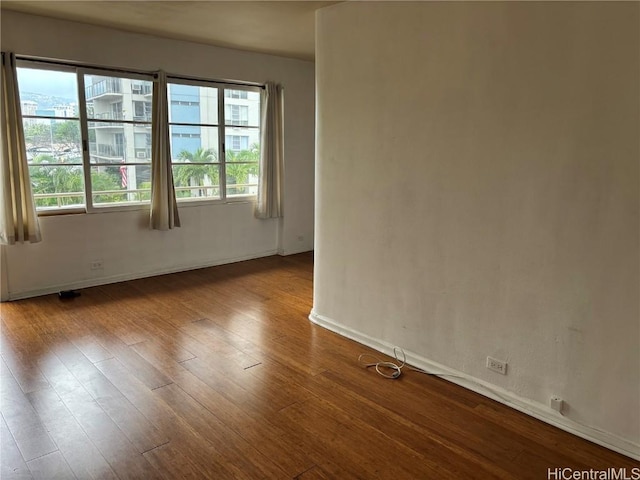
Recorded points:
(210,234)
(477,194)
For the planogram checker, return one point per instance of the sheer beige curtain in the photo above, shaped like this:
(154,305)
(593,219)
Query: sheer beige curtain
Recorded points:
(269,204)
(164,208)
(18,218)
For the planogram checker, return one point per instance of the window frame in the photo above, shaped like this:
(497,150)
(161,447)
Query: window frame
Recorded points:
(221,87)
(39,65)
(84,123)
(80,70)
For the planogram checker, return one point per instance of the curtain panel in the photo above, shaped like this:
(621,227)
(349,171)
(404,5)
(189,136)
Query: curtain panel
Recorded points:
(18,218)
(164,207)
(270,185)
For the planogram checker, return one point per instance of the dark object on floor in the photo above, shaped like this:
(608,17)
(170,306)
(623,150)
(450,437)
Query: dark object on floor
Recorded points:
(68,294)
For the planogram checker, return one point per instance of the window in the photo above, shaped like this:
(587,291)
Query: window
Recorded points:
(119,133)
(68,108)
(201,115)
(142,111)
(237,142)
(88,137)
(242,94)
(53,140)
(236,114)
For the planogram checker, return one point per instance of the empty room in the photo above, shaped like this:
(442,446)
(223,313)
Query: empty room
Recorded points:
(320,240)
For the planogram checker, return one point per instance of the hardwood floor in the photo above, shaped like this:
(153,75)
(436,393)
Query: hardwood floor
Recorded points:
(217,373)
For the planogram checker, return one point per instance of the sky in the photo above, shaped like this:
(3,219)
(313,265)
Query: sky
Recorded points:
(48,82)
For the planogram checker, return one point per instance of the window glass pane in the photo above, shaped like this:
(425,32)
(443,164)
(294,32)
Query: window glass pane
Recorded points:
(119,143)
(242,179)
(192,108)
(48,93)
(56,186)
(193,104)
(194,144)
(119,129)
(120,184)
(241,109)
(118,98)
(194,181)
(57,139)
(242,144)
(49,103)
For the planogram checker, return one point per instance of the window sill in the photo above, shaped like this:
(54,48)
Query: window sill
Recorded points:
(144,206)
(227,201)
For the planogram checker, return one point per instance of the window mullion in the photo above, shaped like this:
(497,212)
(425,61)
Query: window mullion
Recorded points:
(84,133)
(221,145)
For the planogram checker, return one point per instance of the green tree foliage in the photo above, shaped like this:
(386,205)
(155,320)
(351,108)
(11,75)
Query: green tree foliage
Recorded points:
(104,182)
(193,169)
(50,177)
(240,165)
(38,135)
(61,138)
(146,195)
(67,135)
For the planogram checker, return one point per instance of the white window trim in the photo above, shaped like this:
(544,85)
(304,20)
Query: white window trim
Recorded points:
(84,126)
(221,125)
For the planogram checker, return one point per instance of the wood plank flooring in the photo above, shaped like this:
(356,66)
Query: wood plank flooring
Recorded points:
(217,373)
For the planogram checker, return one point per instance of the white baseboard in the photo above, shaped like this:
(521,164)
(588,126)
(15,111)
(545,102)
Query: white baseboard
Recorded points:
(94,282)
(529,407)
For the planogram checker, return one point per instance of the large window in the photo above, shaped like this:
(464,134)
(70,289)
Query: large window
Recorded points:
(215,135)
(49,101)
(119,133)
(88,137)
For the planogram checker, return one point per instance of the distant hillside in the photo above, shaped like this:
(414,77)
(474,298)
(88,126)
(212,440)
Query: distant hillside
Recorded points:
(46,101)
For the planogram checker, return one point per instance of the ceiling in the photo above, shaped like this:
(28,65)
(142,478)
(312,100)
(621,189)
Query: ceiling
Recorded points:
(285,28)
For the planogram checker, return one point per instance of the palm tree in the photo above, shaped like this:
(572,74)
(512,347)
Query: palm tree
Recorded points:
(240,165)
(50,177)
(201,155)
(196,169)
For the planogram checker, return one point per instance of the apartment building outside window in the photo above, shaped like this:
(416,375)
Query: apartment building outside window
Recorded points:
(118,111)
(215,135)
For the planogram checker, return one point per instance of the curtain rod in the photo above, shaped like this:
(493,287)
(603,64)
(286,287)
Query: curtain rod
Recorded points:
(131,70)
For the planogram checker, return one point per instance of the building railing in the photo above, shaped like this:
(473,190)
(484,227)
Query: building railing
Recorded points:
(106,86)
(106,150)
(107,116)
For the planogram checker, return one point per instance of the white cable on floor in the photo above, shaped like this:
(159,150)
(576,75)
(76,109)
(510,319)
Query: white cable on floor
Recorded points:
(396,369)
(383,367)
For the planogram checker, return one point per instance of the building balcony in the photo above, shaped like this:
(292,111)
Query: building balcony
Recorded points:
(109,87)
(110,117)
(142,118)
(106,151)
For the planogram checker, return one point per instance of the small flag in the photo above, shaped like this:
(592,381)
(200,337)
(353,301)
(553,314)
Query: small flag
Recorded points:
(123,175)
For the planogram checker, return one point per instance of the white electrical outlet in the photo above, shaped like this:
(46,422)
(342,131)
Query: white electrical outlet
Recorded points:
(96,265)
(556,403)
(497,365)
